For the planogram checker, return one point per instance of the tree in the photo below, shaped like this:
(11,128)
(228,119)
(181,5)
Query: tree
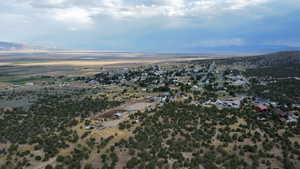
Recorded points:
(38,158)
(48,166)
(88,166)
(60,158)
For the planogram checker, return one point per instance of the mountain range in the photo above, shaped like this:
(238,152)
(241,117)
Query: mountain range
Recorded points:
(12,46)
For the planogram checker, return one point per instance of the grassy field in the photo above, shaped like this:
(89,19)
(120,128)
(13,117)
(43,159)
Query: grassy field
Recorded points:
(23,74)
(19,68)
(16,74)
(99,62)
(12,79)
(91,58)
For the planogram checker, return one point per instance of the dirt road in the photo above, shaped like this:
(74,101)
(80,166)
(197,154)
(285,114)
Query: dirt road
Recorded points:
(129,107)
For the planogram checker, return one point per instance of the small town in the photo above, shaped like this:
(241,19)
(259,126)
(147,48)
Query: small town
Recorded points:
(113,103)
(150,84)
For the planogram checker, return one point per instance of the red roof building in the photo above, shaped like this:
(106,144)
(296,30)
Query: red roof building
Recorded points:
(261,108)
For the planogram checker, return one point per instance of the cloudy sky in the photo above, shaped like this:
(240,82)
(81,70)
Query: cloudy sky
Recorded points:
(154,25)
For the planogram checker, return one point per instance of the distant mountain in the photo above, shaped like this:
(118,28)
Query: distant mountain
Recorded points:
(279,58)
(245,49)
(10,46)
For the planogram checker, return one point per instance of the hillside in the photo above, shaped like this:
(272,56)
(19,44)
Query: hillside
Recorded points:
(167,115)
(280,58)
(11,46)
(187,136)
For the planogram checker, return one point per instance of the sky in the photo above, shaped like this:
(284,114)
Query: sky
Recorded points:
(154,25)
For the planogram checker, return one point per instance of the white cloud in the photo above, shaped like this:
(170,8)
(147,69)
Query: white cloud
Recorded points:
(125,8)
(56,1)
(83,13)
(240,4)
(74,16)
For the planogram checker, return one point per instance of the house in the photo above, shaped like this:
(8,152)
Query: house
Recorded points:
(156,99)
(165,99)
(29,84)
(136,121)
(261,118)
(261,101)
(239,83)
(196,88)
(131,111)
(280,113)
(93,82)
(119,114)
(226,103)
(261,108)
(296,106)
(167,94)
(274,104)
(89,127)
(292,119)
(218,103)
(150,98)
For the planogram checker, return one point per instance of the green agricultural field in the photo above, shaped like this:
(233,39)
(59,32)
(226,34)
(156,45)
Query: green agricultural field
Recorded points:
(21,80)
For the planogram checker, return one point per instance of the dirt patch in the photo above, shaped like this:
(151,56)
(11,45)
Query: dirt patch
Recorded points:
(3,146)
(141,106)
(110,113)
(113,123)
(138,106)
(3,85)
(123,158)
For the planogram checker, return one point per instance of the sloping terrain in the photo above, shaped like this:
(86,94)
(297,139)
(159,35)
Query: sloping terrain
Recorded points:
(288,57)
(10,46)
(189,136)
